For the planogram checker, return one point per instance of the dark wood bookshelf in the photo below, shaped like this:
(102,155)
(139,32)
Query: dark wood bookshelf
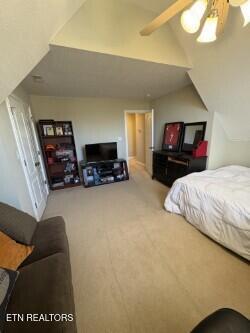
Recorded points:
(59,153)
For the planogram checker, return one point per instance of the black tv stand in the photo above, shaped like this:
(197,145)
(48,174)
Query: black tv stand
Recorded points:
(104,172)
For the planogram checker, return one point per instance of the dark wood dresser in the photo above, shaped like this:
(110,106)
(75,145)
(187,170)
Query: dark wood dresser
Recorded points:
(169,166)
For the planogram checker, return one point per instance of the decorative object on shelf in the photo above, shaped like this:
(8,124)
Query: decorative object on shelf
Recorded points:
(200,150)
(59,130)
(172,136)
(50,147)
(104,172)
(51,160)
(215,11)
(67,128)
(48,130)
(59,154)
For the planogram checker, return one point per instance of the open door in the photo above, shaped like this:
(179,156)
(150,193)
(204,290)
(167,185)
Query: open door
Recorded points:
(149,141)
(29,155)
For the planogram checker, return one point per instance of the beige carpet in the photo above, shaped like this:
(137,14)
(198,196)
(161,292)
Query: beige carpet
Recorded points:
(137,268)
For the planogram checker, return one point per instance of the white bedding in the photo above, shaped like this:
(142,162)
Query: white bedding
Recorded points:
(217,202)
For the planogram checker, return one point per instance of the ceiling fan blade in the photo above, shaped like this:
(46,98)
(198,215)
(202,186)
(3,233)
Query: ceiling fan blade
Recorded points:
(170,12)
(223,8)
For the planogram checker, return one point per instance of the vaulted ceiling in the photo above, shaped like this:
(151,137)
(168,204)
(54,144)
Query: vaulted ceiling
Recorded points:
(219,71)
(99,52)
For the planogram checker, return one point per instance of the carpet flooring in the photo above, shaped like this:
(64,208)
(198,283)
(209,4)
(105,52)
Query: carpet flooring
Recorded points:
(137,268)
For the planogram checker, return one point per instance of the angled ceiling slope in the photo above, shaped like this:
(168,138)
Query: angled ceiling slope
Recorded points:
(26,28)
(221,74)
(113,26)
(100,53)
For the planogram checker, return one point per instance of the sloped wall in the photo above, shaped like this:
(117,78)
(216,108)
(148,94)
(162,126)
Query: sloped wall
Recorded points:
(26,29)
(221,73)
(113,26)
(183,105)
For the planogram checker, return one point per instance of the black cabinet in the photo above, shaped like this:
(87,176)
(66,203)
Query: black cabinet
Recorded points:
(169,166)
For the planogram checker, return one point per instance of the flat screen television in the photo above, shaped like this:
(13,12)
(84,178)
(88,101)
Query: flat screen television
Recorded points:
(101,151)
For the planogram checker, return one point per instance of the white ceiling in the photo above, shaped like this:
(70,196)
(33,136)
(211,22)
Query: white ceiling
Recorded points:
(73,73)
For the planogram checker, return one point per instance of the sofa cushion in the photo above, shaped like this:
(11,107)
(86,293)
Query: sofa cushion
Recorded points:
(43,287)
(7,281)
(12,254)
(16,224)
(49,238)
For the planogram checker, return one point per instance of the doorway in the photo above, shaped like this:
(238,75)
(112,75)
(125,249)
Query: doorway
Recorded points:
(29,153)
(139,135)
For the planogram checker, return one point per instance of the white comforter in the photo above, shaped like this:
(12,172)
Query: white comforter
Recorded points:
(217,202)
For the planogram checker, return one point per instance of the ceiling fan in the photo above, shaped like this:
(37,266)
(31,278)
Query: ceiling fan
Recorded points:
(214,12)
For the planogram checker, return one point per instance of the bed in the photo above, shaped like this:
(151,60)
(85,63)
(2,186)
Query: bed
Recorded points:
(217,202)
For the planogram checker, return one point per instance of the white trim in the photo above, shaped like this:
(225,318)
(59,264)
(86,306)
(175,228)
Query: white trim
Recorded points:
(41,161)
(153,130)
(36,211)
(22,159)
(126,127)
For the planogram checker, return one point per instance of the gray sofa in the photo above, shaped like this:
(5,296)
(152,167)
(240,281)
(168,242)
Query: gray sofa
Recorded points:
(44,285)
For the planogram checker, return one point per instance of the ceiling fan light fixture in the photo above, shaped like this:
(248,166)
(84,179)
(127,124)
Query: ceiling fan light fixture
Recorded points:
(245,9)
(189,23)
(208,33)
(190,19)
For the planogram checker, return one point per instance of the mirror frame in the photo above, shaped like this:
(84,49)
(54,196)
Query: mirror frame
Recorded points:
(203,123)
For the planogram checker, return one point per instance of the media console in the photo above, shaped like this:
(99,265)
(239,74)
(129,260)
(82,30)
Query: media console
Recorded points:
(104,172)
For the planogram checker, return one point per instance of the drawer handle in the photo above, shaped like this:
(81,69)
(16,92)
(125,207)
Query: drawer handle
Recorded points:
(177,161)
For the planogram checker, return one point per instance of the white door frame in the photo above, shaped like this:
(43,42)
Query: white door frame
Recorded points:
(20,154)
(38,150)
(126,127)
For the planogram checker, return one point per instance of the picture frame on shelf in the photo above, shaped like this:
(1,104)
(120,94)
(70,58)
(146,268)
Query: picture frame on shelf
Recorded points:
(48,130)
(59,130)
(67,129)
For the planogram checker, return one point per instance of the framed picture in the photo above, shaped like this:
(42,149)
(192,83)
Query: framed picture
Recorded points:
(48,130)
(59,130)
(67,129)
(172,136)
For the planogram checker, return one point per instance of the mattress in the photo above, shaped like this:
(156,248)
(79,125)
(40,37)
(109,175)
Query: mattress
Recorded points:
(217,202)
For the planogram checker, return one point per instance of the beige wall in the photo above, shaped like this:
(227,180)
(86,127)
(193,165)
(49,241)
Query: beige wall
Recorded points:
(183,105)
(26,29)
(131,134)
(186,105)
(225,151)
(221,73)
(13,187)
(113,26)
(140,137)
(94,119)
